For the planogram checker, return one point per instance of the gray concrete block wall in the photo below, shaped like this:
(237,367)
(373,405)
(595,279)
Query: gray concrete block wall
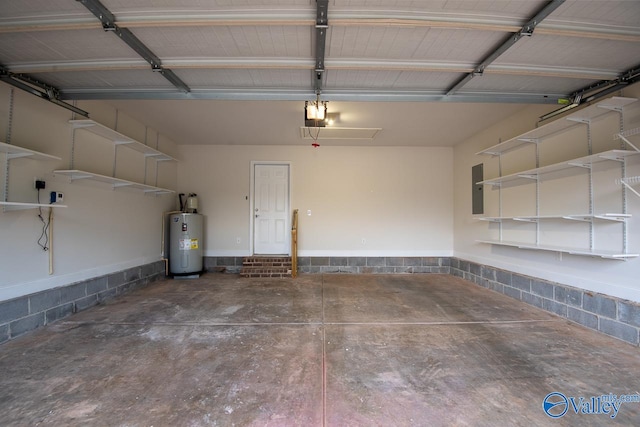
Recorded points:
(352,265)
(373,265)
(29,312)
(606,314)
(226,264)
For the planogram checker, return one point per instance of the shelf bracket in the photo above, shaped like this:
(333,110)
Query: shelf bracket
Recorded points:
(84,124)
(580,165)
(629,142)
(616,218)
(617,109)
(121,184)
(626,184)
(577,218)
(493,153)
(534,220)
(491,219)
(529,176)
(579,120)
(74,177)
(11,156)
(613,157)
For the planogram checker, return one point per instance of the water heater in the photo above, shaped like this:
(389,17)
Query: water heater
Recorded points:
(185,240)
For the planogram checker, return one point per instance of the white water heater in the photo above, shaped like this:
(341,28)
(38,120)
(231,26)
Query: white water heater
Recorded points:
(185,244)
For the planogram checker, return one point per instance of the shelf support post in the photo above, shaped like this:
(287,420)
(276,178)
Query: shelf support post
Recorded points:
(592,233)
(5,188)
(500,195)
(623,172)
(537,195)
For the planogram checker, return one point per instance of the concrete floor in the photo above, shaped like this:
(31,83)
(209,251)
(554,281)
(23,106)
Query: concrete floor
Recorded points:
(319,350)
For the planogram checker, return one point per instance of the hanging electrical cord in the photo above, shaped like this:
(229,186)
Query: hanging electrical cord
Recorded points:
(43,240)
(314,138)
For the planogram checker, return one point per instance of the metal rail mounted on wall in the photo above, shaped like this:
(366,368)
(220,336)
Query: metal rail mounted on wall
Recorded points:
(536,136)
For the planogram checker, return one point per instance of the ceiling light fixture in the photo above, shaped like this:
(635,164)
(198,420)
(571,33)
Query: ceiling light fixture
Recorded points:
(332,118)
(315,113)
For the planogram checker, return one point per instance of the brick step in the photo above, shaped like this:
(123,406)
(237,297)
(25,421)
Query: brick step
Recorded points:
(265,272)
(266,262)
(266,267)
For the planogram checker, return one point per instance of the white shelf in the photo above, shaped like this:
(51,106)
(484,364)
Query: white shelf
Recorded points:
(584,115)
(615,217)
(561,249)
(115,182)
(14,152)
(14,206)
(583,162)
(119,139)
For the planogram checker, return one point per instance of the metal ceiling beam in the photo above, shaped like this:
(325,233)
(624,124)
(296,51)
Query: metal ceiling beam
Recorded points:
(306,64)
(322,23)
(37,88)
(526,30)
(108,21)
(306,94)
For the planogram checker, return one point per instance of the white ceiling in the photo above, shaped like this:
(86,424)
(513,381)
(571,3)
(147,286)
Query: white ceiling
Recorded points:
(236,54)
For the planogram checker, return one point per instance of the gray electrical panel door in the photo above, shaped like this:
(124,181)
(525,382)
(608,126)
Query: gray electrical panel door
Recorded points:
(477,175)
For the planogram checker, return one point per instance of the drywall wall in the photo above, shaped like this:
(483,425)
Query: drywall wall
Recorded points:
(397,200)
(102,230)
(566,193)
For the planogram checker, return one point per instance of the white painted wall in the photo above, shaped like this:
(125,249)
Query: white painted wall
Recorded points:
(561,195)
(398,199)
(102,230)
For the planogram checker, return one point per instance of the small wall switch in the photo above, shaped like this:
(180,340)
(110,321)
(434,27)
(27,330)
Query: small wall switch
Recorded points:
(238,240)
(56,197)
(309,212)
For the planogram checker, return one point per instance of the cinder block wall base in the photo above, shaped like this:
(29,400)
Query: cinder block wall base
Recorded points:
(606,314)
(356,265)
(612,316)
(26,313)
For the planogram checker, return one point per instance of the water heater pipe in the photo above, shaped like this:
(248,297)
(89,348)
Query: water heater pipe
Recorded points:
(164,233)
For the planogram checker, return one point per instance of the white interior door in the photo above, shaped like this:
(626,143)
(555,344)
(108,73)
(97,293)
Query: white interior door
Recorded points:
(271,209)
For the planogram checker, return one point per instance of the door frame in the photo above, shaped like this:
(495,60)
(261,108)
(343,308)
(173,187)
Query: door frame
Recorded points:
(252,198)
